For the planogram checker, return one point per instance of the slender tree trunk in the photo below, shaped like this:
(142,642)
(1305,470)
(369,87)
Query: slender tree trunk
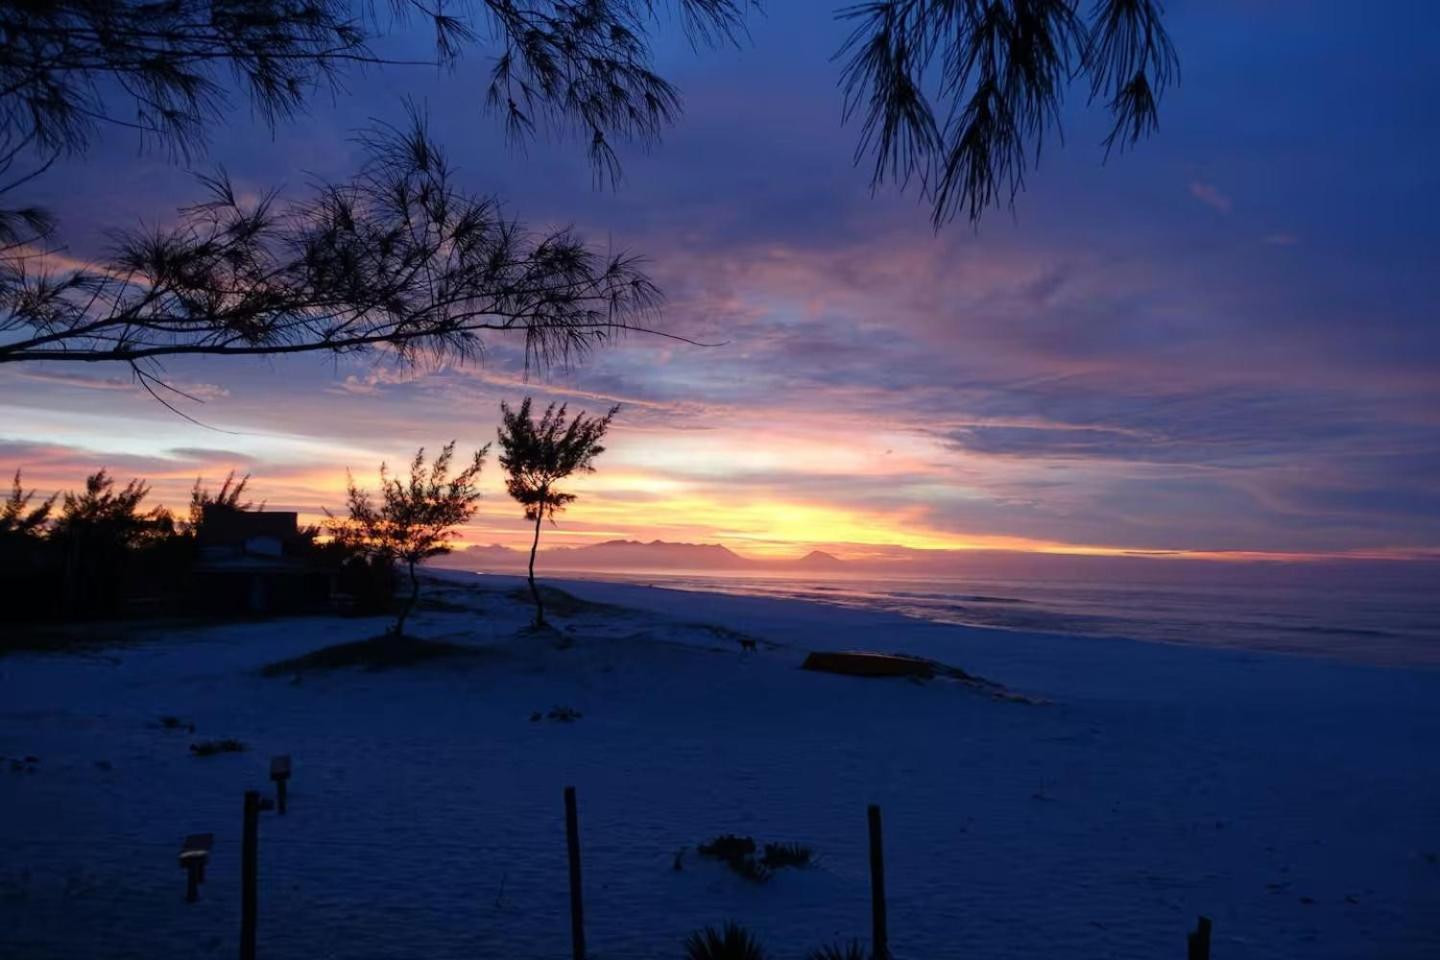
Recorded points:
(534,590)
(409,602)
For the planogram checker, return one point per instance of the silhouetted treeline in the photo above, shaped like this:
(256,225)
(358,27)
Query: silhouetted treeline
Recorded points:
(100,553)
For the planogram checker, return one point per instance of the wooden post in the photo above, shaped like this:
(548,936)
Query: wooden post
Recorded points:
(1198,942)
(280,773)
(879,938)
(577,907)
(249,875)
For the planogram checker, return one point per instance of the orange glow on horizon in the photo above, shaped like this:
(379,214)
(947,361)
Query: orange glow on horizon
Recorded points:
(682,494)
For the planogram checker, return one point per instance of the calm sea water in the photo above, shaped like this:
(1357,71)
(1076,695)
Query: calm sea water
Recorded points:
(1383,626)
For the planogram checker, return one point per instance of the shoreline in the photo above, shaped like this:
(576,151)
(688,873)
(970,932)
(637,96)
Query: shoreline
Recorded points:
(1422,655)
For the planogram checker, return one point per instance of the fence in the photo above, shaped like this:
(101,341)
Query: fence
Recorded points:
(196,850)
(1197,940)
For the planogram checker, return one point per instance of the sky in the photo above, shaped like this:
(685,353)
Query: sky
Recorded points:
(1222,344)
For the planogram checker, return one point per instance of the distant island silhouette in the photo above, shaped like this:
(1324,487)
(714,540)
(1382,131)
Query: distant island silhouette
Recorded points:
(662,556)
(639,555)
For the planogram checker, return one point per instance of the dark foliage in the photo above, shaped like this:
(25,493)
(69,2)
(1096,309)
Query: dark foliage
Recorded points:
(228,497)
(103,555)
(738,853)
(732,942)
(778,855)
(959,95)
(104,539)
(854,950)
(369,582)
(159,69)
(414,520)
(727,846)
(21,516)
(397,256)
(537,454)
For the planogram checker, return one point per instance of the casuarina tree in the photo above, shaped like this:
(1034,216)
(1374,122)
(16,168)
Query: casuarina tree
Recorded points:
(538,454)
(19,516)
(414,520)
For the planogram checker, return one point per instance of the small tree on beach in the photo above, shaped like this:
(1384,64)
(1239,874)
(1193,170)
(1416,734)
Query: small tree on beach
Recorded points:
(414,520)
(538,454)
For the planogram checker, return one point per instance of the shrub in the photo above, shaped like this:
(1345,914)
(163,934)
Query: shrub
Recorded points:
(728,847)
(738,853)
(779,855)
(733,942)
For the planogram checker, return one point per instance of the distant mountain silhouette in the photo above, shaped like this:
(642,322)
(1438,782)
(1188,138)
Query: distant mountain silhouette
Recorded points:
(635,555)
(659,556)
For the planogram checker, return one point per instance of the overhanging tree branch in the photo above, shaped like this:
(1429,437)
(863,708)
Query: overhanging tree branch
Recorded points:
(959,95)
(397,256)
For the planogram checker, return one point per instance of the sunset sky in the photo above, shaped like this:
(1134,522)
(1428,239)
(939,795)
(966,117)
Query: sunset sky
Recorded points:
(1222,341)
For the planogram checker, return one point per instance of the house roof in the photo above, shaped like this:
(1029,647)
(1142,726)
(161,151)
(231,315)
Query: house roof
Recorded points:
(223,526)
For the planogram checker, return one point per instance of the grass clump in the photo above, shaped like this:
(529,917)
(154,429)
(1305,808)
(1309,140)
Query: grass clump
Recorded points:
(377,653)
(209,748)
(732,942)
(778,855)
(738,853)
(854,950)
(727,847)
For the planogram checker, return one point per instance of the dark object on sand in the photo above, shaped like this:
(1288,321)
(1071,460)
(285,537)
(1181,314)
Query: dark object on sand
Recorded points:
(208,748)
(860,664)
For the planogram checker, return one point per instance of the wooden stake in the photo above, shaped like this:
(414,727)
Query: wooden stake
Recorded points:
(1198,943)
(577,908)
(879,938)
(249,875)
(280,773)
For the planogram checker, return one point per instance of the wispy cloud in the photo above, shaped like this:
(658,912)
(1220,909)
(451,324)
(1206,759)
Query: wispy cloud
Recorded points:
(1211,196)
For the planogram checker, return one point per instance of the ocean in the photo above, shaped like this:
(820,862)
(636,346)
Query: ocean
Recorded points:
(1376,625)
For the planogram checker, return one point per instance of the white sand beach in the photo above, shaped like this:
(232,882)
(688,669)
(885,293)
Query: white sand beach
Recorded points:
(1294,800)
